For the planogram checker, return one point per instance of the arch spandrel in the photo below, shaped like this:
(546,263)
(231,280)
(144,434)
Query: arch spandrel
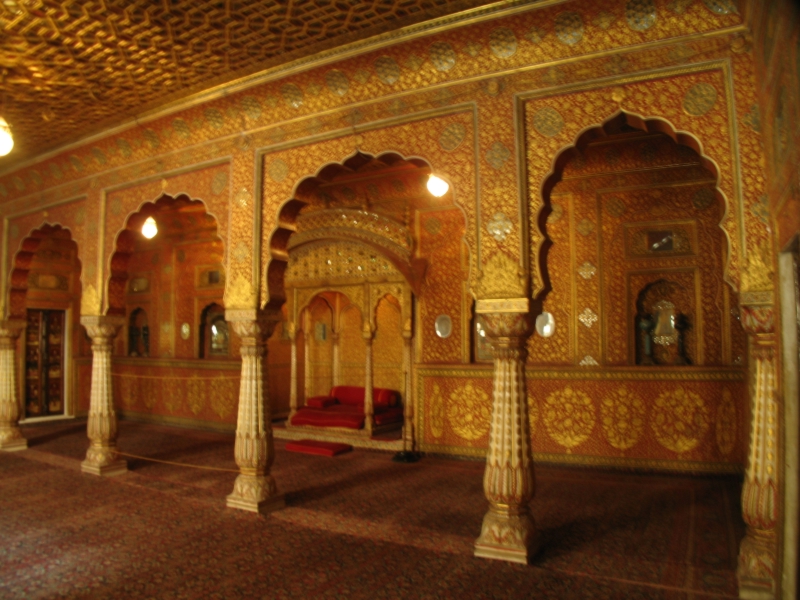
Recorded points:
(555,124)
(284,170)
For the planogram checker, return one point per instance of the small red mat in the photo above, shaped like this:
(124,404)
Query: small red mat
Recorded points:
(320,448)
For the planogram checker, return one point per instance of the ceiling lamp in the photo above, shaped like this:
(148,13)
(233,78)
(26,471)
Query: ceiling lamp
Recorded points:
(149,229)
(6,140)
(437,186)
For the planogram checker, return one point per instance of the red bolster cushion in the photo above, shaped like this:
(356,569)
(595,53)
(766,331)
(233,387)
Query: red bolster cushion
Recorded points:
(320,402)
(382,397)
(348,394)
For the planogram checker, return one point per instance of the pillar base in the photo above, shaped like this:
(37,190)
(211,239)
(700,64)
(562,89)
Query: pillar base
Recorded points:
(118,467)
(263,507)
(14,445)
(756,571)
(508,537)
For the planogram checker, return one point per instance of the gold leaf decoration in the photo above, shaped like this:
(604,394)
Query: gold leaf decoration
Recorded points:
(622,418)
(501,277)
(757,276)
(726,424)
(240,294)
(679,420)
(437,411)
(569,417)
(90,301)
(469,412)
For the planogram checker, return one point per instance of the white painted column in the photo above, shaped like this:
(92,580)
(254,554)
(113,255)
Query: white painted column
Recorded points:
(255,489)
(508,531)
(102,458)
(369,409)
(11,438)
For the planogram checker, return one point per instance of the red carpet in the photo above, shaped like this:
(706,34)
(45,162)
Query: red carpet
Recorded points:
(359,527)
(319,448)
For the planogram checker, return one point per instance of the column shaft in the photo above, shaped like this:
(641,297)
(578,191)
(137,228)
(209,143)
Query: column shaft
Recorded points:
(255,489)
(101,457)
(11,438)
(369,410)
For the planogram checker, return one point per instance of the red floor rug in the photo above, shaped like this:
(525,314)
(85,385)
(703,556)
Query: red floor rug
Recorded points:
(317,447)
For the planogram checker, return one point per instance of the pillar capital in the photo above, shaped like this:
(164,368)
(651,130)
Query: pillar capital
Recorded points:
(11,328)
(102,326)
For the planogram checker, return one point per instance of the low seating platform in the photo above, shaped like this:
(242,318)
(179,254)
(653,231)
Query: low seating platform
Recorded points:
(343,410)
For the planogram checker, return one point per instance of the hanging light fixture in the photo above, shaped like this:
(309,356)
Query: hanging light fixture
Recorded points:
(149,229)
(437,186)
(6,139)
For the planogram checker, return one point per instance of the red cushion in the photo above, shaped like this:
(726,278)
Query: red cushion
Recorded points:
(388,415)
(320,401)
(354,395)
(316,447)
(348,394)
(328,417)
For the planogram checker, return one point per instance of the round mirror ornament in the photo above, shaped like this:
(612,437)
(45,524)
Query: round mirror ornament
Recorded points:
(443,326)
(545,324)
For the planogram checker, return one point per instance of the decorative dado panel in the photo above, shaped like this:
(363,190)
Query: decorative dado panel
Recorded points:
(683,419)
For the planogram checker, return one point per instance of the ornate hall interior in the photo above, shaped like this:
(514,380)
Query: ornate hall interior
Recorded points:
(491,252)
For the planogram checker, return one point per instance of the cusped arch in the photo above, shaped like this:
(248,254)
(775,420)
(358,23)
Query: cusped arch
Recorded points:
(23,257)
(287,218)
(594,132)
(124,241)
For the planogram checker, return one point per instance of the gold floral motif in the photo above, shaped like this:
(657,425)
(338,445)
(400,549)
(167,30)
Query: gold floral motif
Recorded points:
(387,69)
(533,413)
(240,294)
(127,387)
(726,424)
(587,270)
(679,419)
(90,301)
(501,277)
(622,418)
(195,395)
(588,317)
(224,397)
(469,412)
(172,394)
(437,411)
(278,170)
(758,273)
(337,82)
(569,417)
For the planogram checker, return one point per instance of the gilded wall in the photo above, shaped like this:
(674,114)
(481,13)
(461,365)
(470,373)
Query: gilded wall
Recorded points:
(494,106)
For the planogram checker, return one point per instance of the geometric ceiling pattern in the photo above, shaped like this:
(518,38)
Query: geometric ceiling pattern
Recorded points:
(71,68)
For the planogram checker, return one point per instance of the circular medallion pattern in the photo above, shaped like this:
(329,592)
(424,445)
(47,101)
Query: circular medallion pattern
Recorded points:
(640,14)
(452,136)
(251,107)
(503,42)
(569,28)
(703,198)
(721,7)
(443,56)
(679,420)
(469,412)
(699,99)
(387,69)
(337,82)
(622,418)
(181,128)
(292,95)
(569,417)
(278,170)
(548,121)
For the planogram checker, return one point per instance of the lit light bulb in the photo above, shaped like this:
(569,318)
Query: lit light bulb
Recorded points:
(6,139)
(437,186)
(149,229)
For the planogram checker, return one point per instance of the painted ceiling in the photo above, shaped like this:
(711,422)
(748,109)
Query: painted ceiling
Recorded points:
(71,68)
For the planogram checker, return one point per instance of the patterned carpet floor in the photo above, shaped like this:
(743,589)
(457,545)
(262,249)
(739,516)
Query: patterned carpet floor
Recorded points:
(355,526)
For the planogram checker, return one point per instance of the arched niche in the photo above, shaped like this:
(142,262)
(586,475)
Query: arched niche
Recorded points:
(45,291)
(620,122)
(172,276)
(629,203)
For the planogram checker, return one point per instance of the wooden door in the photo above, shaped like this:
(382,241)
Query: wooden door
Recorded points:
(44,363)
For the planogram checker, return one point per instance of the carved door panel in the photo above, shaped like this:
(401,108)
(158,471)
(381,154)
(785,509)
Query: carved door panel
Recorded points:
(44,363)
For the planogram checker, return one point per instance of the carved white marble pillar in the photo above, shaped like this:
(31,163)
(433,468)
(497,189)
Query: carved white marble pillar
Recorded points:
(11,438)
(292,329)
(254,489)
(102,458)
(508,531)
(758,554)
(369,409)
